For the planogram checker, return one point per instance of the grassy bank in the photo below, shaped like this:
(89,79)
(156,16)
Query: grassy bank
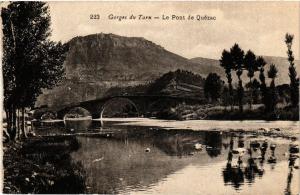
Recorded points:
(196,112)
(42,165)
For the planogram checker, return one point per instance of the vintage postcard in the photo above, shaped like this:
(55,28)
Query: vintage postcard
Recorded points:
(149,97)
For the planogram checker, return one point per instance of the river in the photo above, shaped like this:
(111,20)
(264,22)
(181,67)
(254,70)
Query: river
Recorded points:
(150,156)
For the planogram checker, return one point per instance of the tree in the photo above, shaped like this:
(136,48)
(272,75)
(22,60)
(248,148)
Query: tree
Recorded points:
(227,63)
(225,97)
(212,86)
(254,86)
(30,60)
(284,93)
(294,84)
(255,92)
(272,97)
(251,67)
(263,87)
(237,55)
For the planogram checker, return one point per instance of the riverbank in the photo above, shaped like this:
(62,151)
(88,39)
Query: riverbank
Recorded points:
(211,112)
(42,165)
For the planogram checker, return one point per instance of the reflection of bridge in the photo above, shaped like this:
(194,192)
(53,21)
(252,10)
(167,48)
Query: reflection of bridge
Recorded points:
(143,104)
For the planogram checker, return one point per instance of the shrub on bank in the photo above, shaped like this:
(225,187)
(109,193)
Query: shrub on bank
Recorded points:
(258,114)
(43,165)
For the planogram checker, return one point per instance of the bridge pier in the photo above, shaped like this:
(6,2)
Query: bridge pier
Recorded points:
(95,115)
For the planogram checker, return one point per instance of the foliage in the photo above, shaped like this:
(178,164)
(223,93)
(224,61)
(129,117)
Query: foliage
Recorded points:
(251,66)
(237,55)
(174,78)
(196,112)
(263,87)
(213,86)
(43,166)
(250,63)
(294,84)
(272,92)
(128,90)
(283,93)
(30,60)
(257,114)
(225,97)
(227,63)
(254,86)
(238,65)
(272,72)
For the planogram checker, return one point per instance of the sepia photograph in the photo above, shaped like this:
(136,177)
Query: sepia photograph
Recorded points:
(150,97)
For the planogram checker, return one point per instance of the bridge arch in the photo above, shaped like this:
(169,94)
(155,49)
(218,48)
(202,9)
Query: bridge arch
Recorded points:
(76,112)
(48,115)
(116,99)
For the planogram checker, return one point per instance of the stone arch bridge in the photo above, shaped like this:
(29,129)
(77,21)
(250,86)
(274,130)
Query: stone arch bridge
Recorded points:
(142,103)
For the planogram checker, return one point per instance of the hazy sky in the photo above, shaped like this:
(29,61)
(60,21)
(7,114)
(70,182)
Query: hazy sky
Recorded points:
(259,26)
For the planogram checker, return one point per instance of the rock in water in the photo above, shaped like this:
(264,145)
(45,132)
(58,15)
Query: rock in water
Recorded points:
(273,146)
(272,159)
(239,151)
(294,149)
(296,165)
(198,146)
(254,144)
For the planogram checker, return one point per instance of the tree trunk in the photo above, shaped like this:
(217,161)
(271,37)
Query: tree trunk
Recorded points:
(240,94)
(231,97)
(8,122)
(23,124)
(18,125)
(14,124)
(8,119)
(250,103)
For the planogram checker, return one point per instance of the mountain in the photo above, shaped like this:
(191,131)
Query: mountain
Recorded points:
(207,66)
(97,63)
(109,57)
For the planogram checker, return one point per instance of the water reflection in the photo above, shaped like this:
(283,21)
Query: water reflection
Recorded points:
(78,125)
(213,142)
(253,153)
(174,143)
(233,173)
(293,164)
(131,159)
(252,170)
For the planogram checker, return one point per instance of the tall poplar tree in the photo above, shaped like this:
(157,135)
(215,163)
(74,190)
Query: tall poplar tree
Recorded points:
(227,63)
(294,84)
(251,67)
(272,97)
(237,55)
(263,87)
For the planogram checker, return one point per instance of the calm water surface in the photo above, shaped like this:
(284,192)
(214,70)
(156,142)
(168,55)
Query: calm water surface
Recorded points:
(139,159)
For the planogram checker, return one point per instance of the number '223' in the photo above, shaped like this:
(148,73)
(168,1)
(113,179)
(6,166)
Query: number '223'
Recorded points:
(95,16)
